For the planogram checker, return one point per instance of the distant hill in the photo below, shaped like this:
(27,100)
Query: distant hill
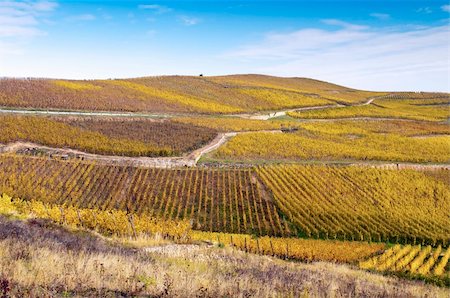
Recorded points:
(217,95)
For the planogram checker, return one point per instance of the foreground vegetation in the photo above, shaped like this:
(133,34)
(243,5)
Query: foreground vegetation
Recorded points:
(413,261)
(120,224)
(144,230)
(39,259)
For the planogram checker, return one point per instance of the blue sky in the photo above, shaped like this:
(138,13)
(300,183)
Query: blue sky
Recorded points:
(373,44)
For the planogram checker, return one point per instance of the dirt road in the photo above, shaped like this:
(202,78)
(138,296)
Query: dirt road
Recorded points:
(187,160)
(256,115)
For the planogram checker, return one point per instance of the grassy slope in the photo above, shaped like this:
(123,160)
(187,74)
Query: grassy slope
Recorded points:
(40,259)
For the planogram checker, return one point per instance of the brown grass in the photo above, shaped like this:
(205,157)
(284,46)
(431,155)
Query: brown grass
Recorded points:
(38,259)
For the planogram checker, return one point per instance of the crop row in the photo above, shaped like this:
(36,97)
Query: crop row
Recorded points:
(129,137)
(228,200)
(361,203)
(342,141)
(415,260)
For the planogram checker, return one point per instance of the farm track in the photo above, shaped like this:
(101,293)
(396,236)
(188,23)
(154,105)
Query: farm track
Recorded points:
(256,115)
(190,159)
(187,160)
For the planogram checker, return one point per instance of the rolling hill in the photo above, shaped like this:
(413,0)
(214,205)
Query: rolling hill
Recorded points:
(178,94)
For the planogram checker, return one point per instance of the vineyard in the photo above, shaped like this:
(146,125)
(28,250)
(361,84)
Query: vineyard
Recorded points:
(307,250)
(110,222)
(343,140)
(385,108)
(362,204)
(103,136)
(237,124)
(122,224)
(325,90)
(170,94)
(219,95)
(346,203)
(222,200)
(413,260)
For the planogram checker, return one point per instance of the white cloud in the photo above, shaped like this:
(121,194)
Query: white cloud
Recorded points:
(425,10)
(339,23)
(21,18)
(82,18)
(381,16)
(189,21)
(45,5)
(156,8)
(370,58)
(20,23)
(445,8)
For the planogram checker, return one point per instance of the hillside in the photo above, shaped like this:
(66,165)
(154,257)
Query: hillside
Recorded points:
(219,95)
(93,266)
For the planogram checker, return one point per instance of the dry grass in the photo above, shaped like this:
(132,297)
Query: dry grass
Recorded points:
(37,260)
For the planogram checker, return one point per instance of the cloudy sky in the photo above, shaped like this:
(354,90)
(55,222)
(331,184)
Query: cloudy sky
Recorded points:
(376,45)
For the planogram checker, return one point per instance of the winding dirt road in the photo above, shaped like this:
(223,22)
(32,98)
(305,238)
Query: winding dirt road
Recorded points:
(187,160)
(256,115)
(190,159)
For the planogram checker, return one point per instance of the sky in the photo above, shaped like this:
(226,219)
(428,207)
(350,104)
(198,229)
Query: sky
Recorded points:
(394,45)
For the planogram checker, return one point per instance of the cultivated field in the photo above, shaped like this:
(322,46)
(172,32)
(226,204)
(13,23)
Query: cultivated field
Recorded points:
(413,260)
(415,109)
(106,136)
(222,169)
(228,200)
(362,203)
(352,203)
(156,94)
(343,140)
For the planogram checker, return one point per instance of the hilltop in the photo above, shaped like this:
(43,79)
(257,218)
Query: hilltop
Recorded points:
(178,94)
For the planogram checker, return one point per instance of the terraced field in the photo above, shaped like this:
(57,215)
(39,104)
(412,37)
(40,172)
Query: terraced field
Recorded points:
(257,190)
(218,95)
(415,109)
(362,204)
(133,137)
(413,260)
(394,141)
(352,203)
(228,200)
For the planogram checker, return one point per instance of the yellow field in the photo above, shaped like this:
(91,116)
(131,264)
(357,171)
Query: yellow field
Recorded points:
(282,99)
(294,248)
(356,203)
(402,109)
(76,85)
(190,102)
(344,141)
(414,260)
(304,85)
(109,222)
(225,124)
(54,133)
